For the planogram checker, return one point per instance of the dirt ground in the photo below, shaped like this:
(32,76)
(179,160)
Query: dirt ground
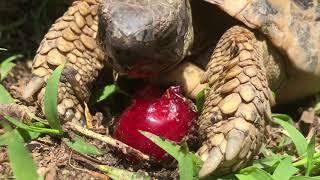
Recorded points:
(22,25)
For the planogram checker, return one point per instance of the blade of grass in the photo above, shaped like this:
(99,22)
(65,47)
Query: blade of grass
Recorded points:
(116,173)
(304,161)
(298,139)
(189,164)
(20,158)
(80,145)
(284,170)
(310,153)
(253,173)
(51,98)
(283,117)
(305,178)
(7,65)
(32,128)
(5,97)
(106,92)
(268,162)
(200,100)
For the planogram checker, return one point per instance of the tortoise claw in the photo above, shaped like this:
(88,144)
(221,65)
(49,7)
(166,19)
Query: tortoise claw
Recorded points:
(212,161)
(234,144)
(34,85)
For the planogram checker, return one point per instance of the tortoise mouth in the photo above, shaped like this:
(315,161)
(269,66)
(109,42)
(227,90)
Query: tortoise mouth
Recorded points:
(142,70)
(146,69)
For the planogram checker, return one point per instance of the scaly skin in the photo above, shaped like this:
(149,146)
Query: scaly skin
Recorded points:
(236,105)
(73,38)
(293,28)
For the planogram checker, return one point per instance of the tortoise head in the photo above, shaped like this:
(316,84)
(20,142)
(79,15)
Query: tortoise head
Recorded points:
(145,37)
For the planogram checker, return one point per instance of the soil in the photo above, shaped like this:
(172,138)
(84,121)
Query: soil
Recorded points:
(21,34)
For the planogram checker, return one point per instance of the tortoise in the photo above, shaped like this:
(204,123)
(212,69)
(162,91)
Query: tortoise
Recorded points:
(267,45)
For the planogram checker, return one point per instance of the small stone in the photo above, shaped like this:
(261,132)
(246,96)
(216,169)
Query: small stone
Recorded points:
(88,31)
(247,111)
(77,53)
(247,93)
(89,20)
(69,35)
(94,27)
(233,72)
(47,45)
(79,45)
(244,55)
(256,82)
(64,46)
(38,60)
(53,34)
(88,41)
(215,100)
(248,46)
(251,71)
(83,8)
(55,57)
(72,58)
(68,103)
(60,25)
(230,103)
(243,78)
(41,71)
(80,21)
(82,61)
(246,63)
(61,109)
(72,10)
(94,10)
(75,28)
(233,62)
(67,17)
(230,85)
(78,77)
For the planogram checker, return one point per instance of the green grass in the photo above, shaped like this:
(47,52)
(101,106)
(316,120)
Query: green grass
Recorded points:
(271,167)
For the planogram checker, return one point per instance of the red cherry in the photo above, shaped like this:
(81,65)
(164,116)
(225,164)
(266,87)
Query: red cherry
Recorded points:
(169,116)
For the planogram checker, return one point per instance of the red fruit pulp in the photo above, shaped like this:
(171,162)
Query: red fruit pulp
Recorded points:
(169,116)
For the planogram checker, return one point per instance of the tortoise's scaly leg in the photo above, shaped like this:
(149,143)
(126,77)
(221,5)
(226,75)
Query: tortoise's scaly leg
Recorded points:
(237,104)
(73,38)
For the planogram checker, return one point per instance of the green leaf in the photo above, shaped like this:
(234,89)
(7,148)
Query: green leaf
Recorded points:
(80,145)
(310,154)
(3,49)
(298,139)
(283,117)
(20,158)
(28,135)
(31,128)
(253,173)
(267,162)
(51,98)
(305,178)
(106,92)
(200,100)
(284,170)
(7,65)
(189,164)
(5,97)
(116,173)
(304,160)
